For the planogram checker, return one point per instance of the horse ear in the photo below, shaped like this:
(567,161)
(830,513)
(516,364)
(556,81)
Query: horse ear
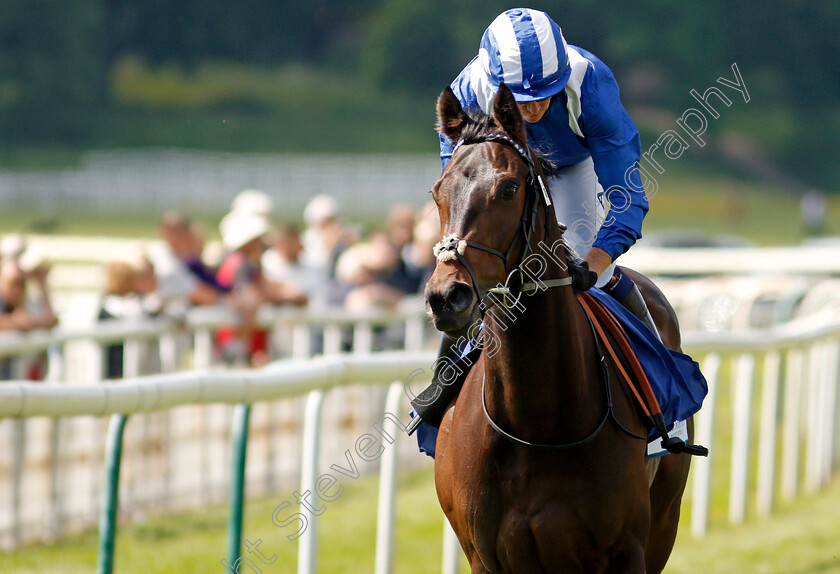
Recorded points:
(451,117)
(507,114)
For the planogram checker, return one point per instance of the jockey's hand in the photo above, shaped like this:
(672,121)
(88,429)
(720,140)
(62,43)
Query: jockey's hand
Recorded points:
(582,278)
(598,260)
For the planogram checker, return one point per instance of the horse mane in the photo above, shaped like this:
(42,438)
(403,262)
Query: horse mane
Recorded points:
(481,125)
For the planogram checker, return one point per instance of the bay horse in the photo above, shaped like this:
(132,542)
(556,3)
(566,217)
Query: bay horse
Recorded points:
(578,497)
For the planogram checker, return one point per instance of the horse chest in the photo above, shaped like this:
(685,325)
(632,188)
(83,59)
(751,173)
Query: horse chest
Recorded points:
(525,508)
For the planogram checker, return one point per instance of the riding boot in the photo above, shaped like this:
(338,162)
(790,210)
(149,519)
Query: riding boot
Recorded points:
(447,379)
(635,303)
(623,290)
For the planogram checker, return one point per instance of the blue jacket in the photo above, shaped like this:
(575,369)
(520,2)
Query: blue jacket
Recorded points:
(585,119)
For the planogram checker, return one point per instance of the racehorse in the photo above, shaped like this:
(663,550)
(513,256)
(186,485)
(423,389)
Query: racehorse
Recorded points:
(530,472)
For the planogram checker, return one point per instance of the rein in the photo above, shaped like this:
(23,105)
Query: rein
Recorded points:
(453,248)
(608,414)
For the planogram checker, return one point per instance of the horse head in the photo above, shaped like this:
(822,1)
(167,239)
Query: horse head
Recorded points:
(487,198)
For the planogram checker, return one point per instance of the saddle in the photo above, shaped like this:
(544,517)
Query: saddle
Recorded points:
(613,341)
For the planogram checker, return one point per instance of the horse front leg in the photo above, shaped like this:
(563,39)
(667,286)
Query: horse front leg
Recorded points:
(477,566)
(631,561)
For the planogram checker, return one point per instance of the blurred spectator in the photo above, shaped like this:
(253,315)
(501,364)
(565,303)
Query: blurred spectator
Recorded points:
(129,294)
(359,276)
(413,236)
(400,226)
(129,290)
(252,202)
(360,286)
(399,232)
(182,278)
(324,238)
(241,272)
(17,311)
(419,257)
(282,263)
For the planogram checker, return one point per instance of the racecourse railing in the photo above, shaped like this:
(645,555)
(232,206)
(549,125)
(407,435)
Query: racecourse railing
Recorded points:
(793,404)
(62,483)
(332,328)
(242,388)
(789,412)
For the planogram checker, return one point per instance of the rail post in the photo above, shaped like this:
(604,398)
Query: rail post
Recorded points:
(701,488)
(110,495)
(386,513)
(767,438)
(239,450)
(451,549)
(744,367)
(308,541)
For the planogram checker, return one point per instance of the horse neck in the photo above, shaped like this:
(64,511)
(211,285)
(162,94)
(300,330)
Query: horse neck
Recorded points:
(539,379)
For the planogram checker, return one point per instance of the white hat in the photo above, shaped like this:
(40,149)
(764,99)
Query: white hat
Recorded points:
(252,202)
(319,209)
(239,229)
(12,246)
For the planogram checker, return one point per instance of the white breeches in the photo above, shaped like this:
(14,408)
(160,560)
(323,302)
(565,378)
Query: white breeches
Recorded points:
(579,203)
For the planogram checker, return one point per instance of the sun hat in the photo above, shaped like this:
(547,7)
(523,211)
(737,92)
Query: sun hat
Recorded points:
(252,201)
(239,229)
(525,49)
(320,209)
(12,246)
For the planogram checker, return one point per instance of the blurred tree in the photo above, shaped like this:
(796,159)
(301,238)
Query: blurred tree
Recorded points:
(408,46)
(55,57)
(257,31)
(51,61)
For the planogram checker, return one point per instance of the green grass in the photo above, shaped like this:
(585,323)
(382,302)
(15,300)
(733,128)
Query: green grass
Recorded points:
(725,205)
(195,542)
(799,538)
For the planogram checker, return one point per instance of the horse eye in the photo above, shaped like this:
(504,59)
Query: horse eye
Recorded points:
(509,191)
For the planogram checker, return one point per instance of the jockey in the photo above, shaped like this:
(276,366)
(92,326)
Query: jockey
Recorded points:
(569,101)
(573,115)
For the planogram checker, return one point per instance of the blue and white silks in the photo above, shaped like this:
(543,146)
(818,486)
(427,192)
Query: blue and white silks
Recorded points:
(585,119)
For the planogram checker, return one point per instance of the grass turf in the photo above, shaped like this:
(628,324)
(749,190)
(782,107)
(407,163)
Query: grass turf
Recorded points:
(799,538)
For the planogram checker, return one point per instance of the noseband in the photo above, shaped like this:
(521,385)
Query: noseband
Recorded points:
(452,248)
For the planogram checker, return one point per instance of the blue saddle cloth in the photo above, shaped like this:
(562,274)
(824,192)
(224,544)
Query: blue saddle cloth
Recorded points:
(676,379)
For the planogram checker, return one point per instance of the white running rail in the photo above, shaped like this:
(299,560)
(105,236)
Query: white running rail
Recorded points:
(793,404)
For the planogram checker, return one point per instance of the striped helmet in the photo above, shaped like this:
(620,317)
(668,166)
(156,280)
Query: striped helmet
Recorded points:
(526,50)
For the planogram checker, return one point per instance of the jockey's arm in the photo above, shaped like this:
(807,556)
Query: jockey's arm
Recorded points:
(614,145)
(598,260)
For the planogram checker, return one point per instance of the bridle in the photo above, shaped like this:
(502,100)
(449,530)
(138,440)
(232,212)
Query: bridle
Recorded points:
(452,247)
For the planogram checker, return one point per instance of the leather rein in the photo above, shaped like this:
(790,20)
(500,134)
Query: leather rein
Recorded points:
(452,247)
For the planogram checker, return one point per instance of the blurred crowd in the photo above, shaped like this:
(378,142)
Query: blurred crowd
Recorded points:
(326,264)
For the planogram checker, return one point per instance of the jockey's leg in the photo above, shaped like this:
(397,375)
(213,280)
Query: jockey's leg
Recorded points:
(622,288)
(447,379)
(579,203)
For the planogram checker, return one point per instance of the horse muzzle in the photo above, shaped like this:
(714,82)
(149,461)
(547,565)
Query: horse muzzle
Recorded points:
(451,304)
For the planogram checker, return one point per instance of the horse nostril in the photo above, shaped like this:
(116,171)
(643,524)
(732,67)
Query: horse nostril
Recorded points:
(459,297)
(456,299)
(435,300)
